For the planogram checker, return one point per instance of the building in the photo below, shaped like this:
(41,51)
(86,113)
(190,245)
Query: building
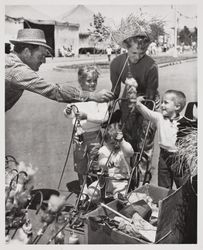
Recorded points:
(57,33)
(84,16)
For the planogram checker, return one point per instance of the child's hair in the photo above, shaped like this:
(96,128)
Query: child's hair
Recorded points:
(112,131)
(179,98)
(83,72)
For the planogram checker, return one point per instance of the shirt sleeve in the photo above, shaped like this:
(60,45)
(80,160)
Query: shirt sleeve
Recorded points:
(25,78)
(103,156)
(148,114)
(152,82)
(114,77)
(126,148)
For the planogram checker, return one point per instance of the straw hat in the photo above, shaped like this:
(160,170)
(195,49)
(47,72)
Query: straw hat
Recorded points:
(31,36)
(131,27)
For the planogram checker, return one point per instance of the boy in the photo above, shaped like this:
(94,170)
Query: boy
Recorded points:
(91,115)
(167,122)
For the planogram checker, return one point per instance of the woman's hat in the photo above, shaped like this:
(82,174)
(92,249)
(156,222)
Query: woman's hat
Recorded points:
(31,36)
(131,27)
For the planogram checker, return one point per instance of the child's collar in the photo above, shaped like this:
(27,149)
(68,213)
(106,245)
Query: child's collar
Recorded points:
(176,118)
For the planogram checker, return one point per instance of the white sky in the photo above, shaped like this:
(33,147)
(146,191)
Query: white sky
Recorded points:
(115,12)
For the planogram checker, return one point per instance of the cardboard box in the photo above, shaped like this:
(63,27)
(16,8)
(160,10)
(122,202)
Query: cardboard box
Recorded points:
(102,234)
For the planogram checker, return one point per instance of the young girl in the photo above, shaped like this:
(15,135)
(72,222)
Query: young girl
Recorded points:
(114,158)
(90,115)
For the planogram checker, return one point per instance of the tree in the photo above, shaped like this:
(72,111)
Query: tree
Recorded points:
(99,32)
(185,36)
(157,28)
(194,35)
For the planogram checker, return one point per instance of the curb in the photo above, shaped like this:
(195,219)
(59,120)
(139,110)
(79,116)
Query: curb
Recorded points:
(161,65)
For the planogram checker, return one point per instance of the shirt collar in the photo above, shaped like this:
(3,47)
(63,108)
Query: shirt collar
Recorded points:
(176,118)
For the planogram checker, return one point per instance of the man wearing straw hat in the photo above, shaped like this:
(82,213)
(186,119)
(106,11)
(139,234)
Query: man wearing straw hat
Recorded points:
(30,50)
(135,39)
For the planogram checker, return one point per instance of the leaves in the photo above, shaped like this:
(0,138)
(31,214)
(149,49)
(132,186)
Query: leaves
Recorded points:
(99,31)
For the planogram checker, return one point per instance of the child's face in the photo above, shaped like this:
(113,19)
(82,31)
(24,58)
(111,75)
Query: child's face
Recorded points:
(89,82)
(169,108)
(115,140)
(113,144)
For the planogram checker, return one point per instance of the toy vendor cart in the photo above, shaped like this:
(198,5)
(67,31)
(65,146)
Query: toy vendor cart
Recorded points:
(177,218)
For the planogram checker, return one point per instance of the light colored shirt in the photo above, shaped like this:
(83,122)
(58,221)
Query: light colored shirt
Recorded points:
(119,166)
(166,129)
(20,77)
(97,113)
(108,51)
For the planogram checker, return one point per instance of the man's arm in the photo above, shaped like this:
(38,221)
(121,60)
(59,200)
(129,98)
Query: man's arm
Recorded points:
(100,96)
(25,78)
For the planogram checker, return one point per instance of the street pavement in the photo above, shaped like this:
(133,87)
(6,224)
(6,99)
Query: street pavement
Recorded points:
(38,133)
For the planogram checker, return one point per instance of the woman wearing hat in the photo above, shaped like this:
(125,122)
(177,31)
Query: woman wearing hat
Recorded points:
(30,50)
(144,72)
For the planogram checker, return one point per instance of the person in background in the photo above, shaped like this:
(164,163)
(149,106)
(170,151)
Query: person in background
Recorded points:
(91,115)
(109,51)
(29,53)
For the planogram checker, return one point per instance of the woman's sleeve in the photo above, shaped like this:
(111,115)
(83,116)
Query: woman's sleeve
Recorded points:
(116,87)
(152,82)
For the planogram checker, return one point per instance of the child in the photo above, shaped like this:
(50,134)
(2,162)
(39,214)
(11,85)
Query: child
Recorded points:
(167,122)
(91,115)
(114,158)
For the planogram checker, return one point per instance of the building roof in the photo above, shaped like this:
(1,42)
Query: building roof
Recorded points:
(28,13)
(25,11)
(80,14)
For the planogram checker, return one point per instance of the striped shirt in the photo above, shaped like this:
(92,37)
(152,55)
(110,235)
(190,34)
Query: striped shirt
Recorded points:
(20,77)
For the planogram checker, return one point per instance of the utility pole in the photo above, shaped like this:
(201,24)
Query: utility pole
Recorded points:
(175,32)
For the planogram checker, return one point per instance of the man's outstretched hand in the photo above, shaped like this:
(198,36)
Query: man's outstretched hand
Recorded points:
(101,96)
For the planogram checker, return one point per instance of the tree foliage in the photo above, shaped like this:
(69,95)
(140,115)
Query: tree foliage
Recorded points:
(157,28)
(186,36)
(99,31)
